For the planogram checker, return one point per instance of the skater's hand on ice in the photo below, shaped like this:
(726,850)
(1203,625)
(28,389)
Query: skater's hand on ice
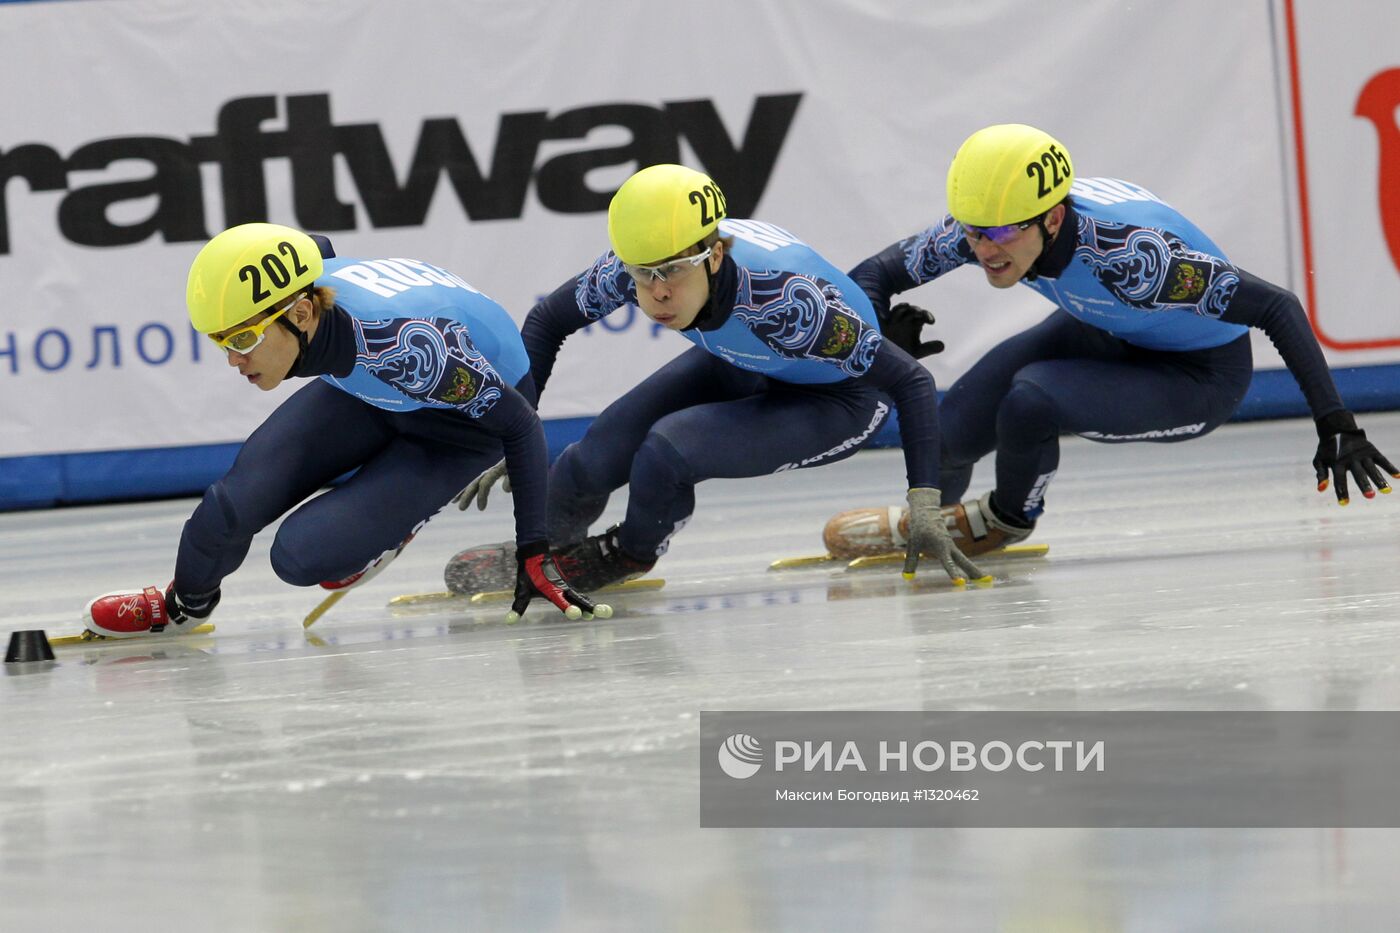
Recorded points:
(928,534)
(1343,449)
(537,575)
(480,487)
(903,325)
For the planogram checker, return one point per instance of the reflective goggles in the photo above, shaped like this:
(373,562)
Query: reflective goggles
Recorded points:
(247,339)
(1003,234)
(664,272)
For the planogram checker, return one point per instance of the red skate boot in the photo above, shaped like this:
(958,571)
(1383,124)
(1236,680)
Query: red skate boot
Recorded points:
(130,614)
(973,525)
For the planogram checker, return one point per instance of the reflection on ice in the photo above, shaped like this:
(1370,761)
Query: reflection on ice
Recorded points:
(441,764)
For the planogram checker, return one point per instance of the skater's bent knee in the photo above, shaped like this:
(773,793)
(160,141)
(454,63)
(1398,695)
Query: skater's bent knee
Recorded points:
(580,471)
(297,565)
(226,514)
(1027,407)
(658,461)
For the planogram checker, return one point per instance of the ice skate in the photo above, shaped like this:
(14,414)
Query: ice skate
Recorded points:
(975,529)
(135,613)
(486,573)
(373,569)
(485,568)
(597,562)
(338,588)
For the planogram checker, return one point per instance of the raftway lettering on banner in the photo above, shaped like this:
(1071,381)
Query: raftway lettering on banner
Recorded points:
(311,141)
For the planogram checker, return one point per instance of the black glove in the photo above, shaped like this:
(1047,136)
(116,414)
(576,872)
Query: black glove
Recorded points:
(537,575)
(1342,448)
(902,325)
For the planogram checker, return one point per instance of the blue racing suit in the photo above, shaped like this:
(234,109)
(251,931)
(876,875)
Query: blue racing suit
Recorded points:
(424,382)
(788,370)
(1148,342)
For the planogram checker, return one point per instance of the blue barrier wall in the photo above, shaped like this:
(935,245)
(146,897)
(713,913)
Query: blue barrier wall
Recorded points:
(69,479)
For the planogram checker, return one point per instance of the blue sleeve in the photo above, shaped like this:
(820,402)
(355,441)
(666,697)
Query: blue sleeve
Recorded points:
(800,317)
(881,276)
(451,372)
(546,327)
(514,421)
(1279,314)
(598,291)
(903,379)
(323,243)
(1152,268)
(911,262)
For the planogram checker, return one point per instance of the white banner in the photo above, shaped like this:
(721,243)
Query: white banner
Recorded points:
(1344,90)
(487,138)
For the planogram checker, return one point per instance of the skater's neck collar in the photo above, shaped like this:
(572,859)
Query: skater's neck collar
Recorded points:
(724,285)
(332,347)
(1057,255)
(1056,258)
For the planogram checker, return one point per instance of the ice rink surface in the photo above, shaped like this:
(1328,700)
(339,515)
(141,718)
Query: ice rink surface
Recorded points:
(436,769)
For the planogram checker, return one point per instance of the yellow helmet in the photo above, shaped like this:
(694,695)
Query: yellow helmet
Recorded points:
(247,269)
(662,210)
(1007,174)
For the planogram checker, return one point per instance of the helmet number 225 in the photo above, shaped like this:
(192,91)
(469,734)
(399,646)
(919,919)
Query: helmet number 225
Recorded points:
(1056,164)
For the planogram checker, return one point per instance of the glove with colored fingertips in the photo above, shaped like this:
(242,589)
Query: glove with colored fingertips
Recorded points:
(903,325)
(1343,450)
(480,487)
(537,575)
(928,534)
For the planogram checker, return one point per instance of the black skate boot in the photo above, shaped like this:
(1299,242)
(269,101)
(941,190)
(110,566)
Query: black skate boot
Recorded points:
(598,561)
(482,569)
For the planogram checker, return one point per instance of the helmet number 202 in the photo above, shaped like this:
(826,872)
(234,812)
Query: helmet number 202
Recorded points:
(276,271)
(709,199)
(1054,162)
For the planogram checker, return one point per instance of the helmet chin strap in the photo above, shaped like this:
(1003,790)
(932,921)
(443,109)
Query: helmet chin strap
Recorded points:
(708,308)
(1046,238)
(301,345)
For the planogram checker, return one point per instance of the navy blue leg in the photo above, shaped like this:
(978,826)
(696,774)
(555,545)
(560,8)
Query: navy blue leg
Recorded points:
(587,472)
(1153,397)
(968,412)
(410,464)
(782,429)
(401,487)
(313,437)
